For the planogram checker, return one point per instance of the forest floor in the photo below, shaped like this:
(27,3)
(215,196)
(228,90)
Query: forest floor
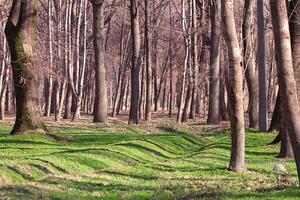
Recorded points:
(162,160)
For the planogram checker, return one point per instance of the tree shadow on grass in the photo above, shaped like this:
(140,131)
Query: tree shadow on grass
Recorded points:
(131,175)
(96,186)
(25,142)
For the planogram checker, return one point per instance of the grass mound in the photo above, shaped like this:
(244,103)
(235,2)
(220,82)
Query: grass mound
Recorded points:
(122,162)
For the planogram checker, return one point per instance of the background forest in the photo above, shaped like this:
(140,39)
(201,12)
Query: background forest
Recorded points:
(139,99)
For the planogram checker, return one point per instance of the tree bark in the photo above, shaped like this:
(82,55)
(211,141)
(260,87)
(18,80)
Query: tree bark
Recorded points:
(249,64)
(20,34)
(286,150)
(214,116)
(235,90)
(49,79)
(100,102)
(263,108)
(286,79)
(135,64)
(195,60)
(148,50)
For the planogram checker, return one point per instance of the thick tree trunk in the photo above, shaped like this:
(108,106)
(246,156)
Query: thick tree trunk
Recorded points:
(286,79)
(249,64)
(235,90)
(100,103)
(294,10)
(135,64)
(214,116)
(20,32)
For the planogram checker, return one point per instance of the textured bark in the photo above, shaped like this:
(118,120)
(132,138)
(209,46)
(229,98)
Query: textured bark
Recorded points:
(135,64)
(20,34)
(286,79)
(100,102)
(214,116)
(249,64)
(235,90)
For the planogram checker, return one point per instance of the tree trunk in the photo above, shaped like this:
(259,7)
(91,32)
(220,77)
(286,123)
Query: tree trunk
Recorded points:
(235,90)
(100,103)
(20,32)
(186,61)
(263,108)
(49,79)
(195,60)
(286,79)
(276,118)
(148,49)
(214,116)
(249,64)
(135,64)
(286,150)
(68,105)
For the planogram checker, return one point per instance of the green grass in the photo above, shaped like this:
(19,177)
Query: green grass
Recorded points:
(127,162)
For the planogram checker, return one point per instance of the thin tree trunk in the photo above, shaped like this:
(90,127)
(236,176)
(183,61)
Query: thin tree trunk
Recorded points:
(186,60)
(49,79)
(68,105)
(263,107)
(148,49)
(195,60)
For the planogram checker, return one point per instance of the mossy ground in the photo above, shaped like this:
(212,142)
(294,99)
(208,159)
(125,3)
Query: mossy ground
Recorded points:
(158,161)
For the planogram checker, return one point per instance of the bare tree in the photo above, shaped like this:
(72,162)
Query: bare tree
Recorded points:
(235,90)
(100,103)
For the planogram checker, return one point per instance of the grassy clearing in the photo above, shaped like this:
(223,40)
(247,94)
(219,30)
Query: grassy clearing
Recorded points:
(160,161)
